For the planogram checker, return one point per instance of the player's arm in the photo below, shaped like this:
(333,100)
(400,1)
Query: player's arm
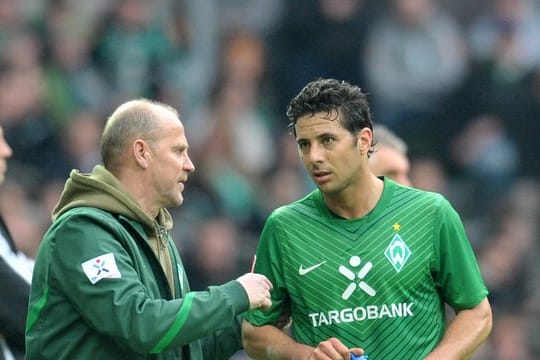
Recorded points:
(271,343)
(465,334)
(459,278)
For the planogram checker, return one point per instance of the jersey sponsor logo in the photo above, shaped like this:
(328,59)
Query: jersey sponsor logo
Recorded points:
(397,253)
(361,313)
(101,267)
(303,271)
(355,262)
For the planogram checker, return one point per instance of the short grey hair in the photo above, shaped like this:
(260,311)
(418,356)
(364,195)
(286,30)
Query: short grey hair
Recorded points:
(131,120)
(383,136)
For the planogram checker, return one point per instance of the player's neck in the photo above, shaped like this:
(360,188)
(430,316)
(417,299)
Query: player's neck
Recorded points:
(358,200)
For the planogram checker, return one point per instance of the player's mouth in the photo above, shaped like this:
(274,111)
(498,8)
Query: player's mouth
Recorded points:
(321,176)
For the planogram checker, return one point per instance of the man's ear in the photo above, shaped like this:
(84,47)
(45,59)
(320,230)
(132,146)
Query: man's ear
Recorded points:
(365,140)
(141,152)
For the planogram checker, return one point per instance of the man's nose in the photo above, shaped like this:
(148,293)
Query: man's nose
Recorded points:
(5,149)
(188,165)
(316,153)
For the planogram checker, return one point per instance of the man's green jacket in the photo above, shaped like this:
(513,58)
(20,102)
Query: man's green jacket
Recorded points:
(109,284)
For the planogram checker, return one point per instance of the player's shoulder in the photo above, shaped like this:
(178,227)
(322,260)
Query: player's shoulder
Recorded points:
(309,203)
(419,195)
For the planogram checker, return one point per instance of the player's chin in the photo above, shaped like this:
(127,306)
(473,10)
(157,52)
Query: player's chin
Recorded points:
(325,186)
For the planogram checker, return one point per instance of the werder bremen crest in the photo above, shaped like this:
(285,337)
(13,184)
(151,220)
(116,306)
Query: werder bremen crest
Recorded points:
(397,253)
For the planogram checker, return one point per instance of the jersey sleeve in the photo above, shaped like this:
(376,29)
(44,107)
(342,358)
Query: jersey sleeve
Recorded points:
(270,263)
(457,274)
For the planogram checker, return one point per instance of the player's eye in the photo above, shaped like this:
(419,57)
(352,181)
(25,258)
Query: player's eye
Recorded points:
(327,140)
(303,145)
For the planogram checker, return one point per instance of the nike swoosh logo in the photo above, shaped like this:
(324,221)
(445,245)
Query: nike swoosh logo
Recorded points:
(304,271)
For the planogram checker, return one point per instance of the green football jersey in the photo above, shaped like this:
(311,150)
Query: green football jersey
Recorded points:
(379,282)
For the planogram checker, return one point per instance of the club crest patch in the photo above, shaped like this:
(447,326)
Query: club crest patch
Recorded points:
(397,253)
(101,267)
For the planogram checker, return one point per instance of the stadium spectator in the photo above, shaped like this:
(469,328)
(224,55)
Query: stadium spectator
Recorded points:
(415,58)
(390,156)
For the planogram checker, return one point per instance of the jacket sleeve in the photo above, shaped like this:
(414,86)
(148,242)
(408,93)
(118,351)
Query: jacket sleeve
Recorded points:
(223,344)
(123,307)
(13,305)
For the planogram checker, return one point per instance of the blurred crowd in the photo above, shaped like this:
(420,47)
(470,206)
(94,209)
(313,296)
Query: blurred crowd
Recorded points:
(458,80)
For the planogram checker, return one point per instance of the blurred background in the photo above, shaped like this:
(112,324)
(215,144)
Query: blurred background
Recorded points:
(458,80)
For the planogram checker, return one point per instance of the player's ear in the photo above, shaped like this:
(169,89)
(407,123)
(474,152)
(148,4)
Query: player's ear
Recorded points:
(365,139)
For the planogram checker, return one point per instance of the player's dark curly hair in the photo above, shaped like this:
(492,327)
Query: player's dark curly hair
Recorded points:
(337,99)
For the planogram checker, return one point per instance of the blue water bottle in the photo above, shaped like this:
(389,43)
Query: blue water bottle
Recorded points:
(359,357)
